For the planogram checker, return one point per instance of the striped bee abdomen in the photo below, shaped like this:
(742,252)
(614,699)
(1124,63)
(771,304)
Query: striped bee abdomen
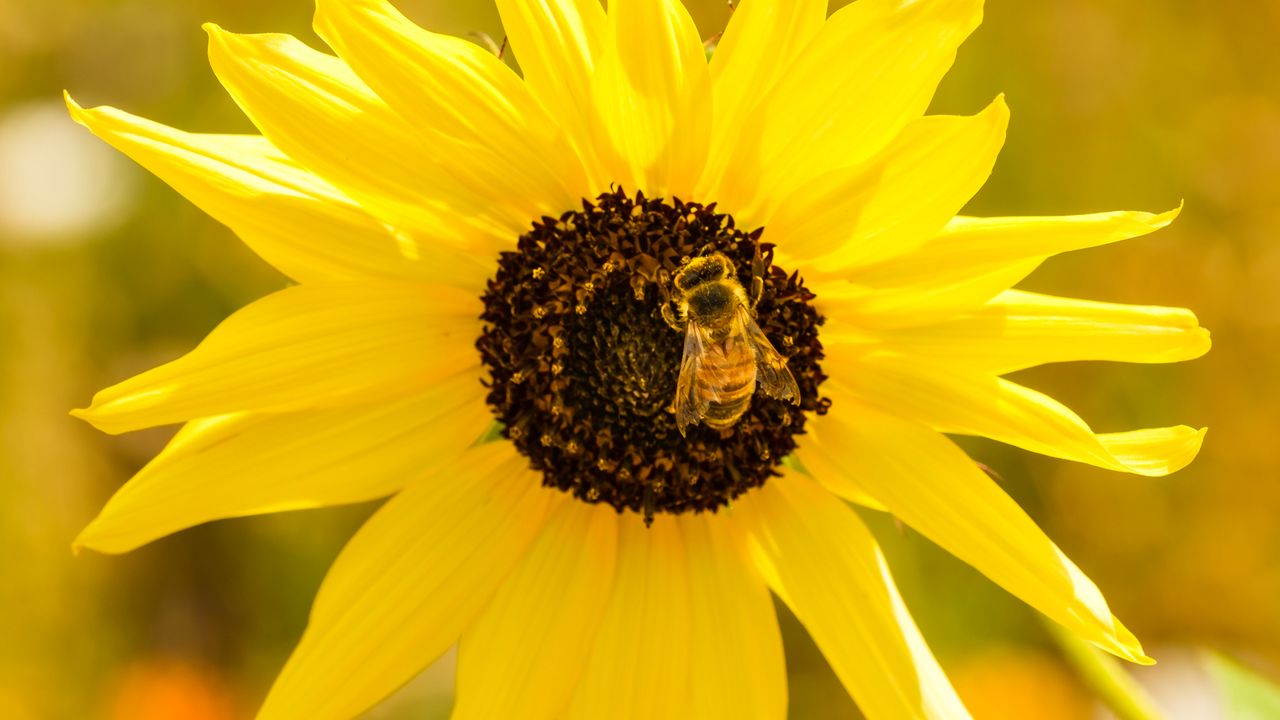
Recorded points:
(727,380)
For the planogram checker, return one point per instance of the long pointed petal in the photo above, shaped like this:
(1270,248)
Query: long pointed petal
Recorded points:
(557,43)
(249,464)
(738,671)
(969,403)
(924,479)
(823,562)
(305,347)
(980,241)
(458,94)
(971,261)
(871,69)
(639,666)
(409,583)
(523,656)
(652,93)
(320,113)
(294,220)
(762,39)
(853,216)
(1019,330)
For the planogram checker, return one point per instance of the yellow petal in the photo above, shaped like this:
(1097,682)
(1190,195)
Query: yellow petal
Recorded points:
(823,562)
(737,671)
(315,109)
(1018,330)
(761,40)
(652,94)
(928,482)
(248,464)
(557,42)
(523,656)
(981,241)
(457,94)
(293,219)
(816,466)
(409,583)
(306,347)
(970,403)
(853,216)
(871,69)
(971,261)
(639,666)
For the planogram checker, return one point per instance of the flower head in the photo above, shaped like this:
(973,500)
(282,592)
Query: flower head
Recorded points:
(620,338)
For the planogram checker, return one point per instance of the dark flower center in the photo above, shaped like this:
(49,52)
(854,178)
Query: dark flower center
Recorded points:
(583,366)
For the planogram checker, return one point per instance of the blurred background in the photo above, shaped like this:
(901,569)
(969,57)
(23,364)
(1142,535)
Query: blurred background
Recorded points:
(104,272)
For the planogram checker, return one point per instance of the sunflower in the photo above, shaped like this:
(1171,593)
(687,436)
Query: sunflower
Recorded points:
(483,269)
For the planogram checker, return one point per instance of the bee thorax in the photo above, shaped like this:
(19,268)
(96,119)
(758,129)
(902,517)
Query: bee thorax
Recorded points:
(712,303)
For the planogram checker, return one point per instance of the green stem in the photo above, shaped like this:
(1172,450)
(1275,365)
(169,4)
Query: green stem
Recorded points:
(1104,675)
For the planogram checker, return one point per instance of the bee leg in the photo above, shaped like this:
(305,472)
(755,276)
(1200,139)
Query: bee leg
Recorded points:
(663,279)
(757,278)
(757,289)
(670,317)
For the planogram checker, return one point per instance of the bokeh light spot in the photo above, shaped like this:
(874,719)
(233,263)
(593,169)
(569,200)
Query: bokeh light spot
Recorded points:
(58,183)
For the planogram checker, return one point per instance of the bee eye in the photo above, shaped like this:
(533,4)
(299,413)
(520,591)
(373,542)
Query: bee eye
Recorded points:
(724,267)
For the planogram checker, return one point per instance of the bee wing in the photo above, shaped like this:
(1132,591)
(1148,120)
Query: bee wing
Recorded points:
(691,405)
(772,374)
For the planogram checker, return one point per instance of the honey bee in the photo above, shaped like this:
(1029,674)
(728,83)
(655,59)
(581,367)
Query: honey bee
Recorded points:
(726,354)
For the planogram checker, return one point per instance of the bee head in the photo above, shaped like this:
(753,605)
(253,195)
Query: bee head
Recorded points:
(703,270)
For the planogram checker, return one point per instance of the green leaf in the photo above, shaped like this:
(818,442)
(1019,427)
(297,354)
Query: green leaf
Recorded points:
(1246,695)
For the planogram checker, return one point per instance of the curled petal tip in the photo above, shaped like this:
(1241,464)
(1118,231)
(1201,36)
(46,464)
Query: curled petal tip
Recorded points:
(1138,657)
(78,113)
(1168,216)
(94,417)
(997,111)
(83,540)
